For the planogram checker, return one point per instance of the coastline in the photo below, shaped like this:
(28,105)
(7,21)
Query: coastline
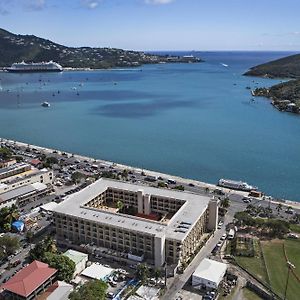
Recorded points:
(202,185)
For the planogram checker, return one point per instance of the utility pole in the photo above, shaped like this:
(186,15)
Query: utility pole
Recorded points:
(290,266)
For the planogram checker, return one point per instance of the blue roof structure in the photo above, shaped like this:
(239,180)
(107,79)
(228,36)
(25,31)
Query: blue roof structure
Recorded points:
(18,225)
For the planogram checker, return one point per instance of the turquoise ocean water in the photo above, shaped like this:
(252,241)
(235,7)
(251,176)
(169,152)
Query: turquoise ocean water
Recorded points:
(191,120)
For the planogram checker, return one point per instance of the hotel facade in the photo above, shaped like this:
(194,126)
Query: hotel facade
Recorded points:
(145,223)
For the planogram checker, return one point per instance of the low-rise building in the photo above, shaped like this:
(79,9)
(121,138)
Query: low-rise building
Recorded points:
(23,195)
(31,176)
(13,170)
(28,283)
(60,290)
(80,259)
(208,274)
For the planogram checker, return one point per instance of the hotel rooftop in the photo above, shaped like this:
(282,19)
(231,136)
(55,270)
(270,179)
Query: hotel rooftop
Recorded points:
(177,227)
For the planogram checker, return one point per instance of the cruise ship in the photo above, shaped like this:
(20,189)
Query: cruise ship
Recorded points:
(50,66)
(236,185)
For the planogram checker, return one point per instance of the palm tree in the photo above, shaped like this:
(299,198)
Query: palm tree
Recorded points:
(120,205)
(225,203)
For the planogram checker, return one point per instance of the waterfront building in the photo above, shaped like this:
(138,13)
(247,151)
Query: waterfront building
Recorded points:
(141,222)
(31,176)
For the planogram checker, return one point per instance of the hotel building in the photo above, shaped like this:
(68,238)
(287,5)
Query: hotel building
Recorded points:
(147,223)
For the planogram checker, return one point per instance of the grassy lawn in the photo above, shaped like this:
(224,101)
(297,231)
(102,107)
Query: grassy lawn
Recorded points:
(254,264)
(295,228)
(249,295)
(277,268)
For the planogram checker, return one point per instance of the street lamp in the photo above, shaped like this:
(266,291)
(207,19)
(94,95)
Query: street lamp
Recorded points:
(290,266)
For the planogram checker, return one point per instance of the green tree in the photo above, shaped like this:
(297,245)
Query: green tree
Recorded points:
(7,227)
(77,177)
(5,153)
(120,205)
(41,248)
(92,290)
(29,236)
(225,203)
(62,263)
(9,244)
(161,184)
(142,272)
(12,214)
(178,187)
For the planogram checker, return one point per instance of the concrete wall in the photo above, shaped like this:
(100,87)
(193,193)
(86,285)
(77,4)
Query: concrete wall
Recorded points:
(159,250)
(213,215)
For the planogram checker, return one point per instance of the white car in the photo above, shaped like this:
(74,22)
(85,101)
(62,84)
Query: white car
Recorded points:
(223,236)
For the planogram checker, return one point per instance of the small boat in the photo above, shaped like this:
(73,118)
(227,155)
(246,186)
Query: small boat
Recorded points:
(224,65)
(45,104)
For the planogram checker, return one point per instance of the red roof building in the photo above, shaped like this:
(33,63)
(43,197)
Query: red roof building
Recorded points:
(30,281)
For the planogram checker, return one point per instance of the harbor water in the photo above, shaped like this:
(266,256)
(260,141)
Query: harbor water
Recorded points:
(192,120)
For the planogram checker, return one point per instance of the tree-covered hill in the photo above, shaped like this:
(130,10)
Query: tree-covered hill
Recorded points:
(287,67)
(16,48)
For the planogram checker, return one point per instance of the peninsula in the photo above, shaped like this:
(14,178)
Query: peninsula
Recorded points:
(16,48)
(286,67)
(285,96)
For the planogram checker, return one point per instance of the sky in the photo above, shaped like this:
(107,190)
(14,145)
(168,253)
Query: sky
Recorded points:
(201,25)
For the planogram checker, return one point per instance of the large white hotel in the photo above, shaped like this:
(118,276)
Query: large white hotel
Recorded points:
(158,225)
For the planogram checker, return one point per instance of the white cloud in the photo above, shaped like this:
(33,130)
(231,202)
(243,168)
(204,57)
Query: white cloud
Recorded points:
(91,4)
(158,1)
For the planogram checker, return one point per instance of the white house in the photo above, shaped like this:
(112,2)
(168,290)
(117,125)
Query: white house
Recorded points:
(208,274)
(80,259)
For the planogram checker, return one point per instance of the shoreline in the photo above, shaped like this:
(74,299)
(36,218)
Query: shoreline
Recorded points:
(178,179)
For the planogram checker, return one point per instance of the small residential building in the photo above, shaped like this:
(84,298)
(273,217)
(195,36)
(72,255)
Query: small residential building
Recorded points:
(28,283)
(80,259)
(60,290)
(208,274)
(97,271)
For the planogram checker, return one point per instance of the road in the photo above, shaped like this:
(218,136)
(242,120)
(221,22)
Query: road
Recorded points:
(10,272)
(177,283)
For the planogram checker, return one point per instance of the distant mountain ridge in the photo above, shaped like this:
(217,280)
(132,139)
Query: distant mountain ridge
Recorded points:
(286,67)
(16,48)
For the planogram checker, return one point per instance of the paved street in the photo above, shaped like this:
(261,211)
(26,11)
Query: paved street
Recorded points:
(177,283)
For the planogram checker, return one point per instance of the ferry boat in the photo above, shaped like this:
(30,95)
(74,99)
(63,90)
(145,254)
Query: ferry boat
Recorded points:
(50,66)
(236,185)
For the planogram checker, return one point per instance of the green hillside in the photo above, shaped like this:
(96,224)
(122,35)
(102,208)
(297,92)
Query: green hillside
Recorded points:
(16,48)
(287,67)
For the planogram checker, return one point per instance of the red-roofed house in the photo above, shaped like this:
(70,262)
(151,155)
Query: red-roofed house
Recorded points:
(29,282)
